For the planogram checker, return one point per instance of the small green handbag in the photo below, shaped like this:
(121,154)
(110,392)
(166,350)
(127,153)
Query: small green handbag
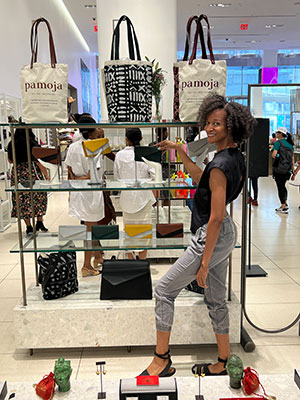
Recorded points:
(105,232)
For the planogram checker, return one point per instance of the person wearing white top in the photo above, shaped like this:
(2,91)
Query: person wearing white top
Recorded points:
(136,205)
(87,206)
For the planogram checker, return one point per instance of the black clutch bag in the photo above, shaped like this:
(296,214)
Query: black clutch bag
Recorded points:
(150,153)
(126,280)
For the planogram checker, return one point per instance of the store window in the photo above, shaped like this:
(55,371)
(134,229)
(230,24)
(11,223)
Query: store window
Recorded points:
(86,88)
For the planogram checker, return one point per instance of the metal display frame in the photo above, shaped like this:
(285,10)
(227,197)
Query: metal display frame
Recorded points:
(244,338)
(246,341)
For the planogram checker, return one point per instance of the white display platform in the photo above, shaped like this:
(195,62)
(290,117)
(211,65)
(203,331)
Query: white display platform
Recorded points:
(281,386)
(82,320)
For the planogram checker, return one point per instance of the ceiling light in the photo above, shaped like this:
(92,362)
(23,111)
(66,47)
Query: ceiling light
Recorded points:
(61,5)
(274,25)
(222,5)
(90,6)
(297,3)
(211,27)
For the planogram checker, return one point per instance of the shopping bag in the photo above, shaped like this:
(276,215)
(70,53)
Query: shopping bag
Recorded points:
(128,83)
(198,78)
(44,87)
(198,31)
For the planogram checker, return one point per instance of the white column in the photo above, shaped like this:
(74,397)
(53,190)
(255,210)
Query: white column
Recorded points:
(155,24)
(270,58)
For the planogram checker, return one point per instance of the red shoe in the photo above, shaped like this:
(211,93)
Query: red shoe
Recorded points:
(249,200)
(254,202)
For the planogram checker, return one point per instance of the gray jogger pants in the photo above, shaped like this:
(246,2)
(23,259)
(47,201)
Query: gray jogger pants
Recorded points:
(184,272)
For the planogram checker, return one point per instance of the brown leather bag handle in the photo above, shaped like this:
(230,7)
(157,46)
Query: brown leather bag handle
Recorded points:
(34,42)
(209,42)
(198,31)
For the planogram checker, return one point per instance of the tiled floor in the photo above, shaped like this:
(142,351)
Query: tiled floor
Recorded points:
(272,302)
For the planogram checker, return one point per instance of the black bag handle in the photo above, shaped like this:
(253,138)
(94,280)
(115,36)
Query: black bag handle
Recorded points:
(198,31)
(132,41)
(34,42)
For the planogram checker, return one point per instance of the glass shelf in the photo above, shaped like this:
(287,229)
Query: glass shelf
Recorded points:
(83,185)
(106,124)
(49,243)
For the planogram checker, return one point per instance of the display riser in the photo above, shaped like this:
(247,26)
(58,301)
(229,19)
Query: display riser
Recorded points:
(212,388)
(82,320)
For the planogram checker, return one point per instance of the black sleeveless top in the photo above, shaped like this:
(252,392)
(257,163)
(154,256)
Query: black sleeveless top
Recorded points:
(231,162)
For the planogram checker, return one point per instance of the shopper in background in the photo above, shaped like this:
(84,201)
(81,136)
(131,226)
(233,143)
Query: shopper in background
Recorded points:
(213,232)
(87,206)
(282,151)
(273,140)
(254,184)
(136,205)
(76,118)
(295,172)
(23,176)
(163,134)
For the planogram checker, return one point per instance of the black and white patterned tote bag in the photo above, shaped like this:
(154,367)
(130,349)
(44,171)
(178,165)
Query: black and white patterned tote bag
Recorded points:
(128,83)
(58,274)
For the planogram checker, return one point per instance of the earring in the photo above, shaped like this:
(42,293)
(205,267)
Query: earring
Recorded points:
(196,372)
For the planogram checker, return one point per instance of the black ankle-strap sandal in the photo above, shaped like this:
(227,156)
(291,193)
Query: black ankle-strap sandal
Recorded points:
(166,372)
(198,368)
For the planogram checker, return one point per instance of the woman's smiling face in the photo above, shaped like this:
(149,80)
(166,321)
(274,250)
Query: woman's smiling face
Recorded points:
(216,127)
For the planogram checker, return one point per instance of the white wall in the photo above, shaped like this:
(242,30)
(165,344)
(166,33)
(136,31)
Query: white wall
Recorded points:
(155,24)
(16,17)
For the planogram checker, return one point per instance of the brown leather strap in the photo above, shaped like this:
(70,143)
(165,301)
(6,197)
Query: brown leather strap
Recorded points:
(34,42)
(209,42)
(198,31)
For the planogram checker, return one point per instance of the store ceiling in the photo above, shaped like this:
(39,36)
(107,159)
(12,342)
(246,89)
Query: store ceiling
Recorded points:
(226,22)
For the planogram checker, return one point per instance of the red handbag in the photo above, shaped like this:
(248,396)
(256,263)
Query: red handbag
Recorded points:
(251,383)
(45,388)
(250,380)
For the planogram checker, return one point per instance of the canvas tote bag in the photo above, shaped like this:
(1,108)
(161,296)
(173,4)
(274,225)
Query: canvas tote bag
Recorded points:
(198,78)
(198,31)
(44,87)
(128,83)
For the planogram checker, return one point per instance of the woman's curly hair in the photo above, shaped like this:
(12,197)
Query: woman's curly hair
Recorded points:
(240,122)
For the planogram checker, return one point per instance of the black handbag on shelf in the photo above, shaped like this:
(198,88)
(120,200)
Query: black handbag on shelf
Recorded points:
(126,280)
(58,274)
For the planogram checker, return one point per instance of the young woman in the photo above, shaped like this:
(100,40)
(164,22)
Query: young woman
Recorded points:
(38,172)
(136,205)
(87,206)
(214,233)
(284,139)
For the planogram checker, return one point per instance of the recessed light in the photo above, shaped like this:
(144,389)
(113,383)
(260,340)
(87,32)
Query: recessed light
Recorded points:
(222,5)
(211,27)
(90,6)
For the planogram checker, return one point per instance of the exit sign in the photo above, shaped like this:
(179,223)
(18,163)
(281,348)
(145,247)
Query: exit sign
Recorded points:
(244,27)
